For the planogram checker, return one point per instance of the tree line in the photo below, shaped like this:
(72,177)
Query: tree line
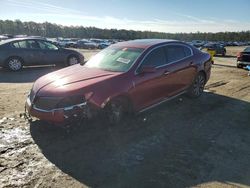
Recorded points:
(47,29)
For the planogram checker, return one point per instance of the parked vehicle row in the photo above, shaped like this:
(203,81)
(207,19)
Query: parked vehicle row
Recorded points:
(201,44)
(218,48)
(69,42)
(127,77)
(84,43)
(19,52)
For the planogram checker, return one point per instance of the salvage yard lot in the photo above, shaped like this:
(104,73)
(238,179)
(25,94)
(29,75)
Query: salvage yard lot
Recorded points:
(182,143)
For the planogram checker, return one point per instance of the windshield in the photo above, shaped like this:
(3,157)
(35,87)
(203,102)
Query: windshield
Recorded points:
(116,59)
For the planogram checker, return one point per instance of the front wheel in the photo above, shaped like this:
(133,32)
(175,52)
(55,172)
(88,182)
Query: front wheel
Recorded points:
(198,85)
(115,111)
(72,60)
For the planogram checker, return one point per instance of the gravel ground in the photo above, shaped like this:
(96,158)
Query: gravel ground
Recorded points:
(182,143)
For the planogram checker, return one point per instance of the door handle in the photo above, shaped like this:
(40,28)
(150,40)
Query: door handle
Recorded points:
(166,73)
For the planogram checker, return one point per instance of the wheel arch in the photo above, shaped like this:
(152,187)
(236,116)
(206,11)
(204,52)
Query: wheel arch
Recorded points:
(124,97)
(71,55)
(204,73)
(14,56)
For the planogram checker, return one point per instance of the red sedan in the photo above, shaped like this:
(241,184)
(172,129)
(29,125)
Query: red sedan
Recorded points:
(126,77)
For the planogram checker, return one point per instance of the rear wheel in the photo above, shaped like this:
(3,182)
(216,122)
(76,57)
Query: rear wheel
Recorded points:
(198,85)
(14,64)
(72,60)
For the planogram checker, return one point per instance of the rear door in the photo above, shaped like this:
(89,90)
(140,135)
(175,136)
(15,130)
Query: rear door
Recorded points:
(28,50)
(181,68)
(34,52)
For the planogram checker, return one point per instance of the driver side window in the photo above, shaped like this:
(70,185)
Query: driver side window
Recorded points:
(47,45)
(155,58)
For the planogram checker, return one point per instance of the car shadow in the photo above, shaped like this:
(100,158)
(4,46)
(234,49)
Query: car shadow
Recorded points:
(26,75)
(228,66)
(226,56)
(181,143)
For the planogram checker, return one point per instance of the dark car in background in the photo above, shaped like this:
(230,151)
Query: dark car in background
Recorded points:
(67,43)
(85,44)
(16,53)
(217,47)
(126,77)
(243,58)
(101,43)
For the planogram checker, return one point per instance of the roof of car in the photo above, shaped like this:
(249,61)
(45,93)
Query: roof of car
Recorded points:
(144,43)
(17,39)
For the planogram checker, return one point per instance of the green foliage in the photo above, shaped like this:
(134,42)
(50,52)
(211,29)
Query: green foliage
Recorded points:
(53,30)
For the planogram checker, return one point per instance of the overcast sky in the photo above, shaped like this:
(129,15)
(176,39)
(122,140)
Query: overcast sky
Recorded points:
(151,15)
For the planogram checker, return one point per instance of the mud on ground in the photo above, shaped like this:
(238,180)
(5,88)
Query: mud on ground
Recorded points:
(182,143)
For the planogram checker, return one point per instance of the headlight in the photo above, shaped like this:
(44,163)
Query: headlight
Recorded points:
(46,103)
(70,101)
(31,95)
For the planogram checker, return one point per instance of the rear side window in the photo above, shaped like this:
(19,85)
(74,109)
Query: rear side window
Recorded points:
(47,45)
(176,53)
(155,58)
(19,44)
(187,51)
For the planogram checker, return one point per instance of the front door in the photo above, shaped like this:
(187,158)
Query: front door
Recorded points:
(149,87)
(51,53)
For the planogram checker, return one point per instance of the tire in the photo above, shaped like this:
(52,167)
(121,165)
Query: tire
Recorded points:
(116,111)
(14,64)
(239,66)
(224,53)
(197,86)
(73,60)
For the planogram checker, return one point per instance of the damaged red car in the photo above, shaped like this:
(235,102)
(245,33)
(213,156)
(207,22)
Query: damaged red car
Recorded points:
(126,77)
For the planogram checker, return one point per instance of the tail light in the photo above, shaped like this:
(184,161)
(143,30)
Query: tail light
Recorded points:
(239,56)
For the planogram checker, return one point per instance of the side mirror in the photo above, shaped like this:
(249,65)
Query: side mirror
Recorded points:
(147,69)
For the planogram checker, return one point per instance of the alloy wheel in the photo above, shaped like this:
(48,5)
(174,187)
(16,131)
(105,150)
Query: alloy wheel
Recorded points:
(15,64)
(73,60)
(198,85)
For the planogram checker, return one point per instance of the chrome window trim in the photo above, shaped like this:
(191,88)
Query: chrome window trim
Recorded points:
(163,45)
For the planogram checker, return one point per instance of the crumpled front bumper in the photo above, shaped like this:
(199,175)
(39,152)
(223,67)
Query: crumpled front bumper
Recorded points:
(57,115)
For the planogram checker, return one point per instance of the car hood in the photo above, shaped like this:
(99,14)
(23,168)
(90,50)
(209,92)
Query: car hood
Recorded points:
(71,80)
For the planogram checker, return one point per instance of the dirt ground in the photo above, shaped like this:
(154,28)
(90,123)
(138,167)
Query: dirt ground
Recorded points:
(183,143)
